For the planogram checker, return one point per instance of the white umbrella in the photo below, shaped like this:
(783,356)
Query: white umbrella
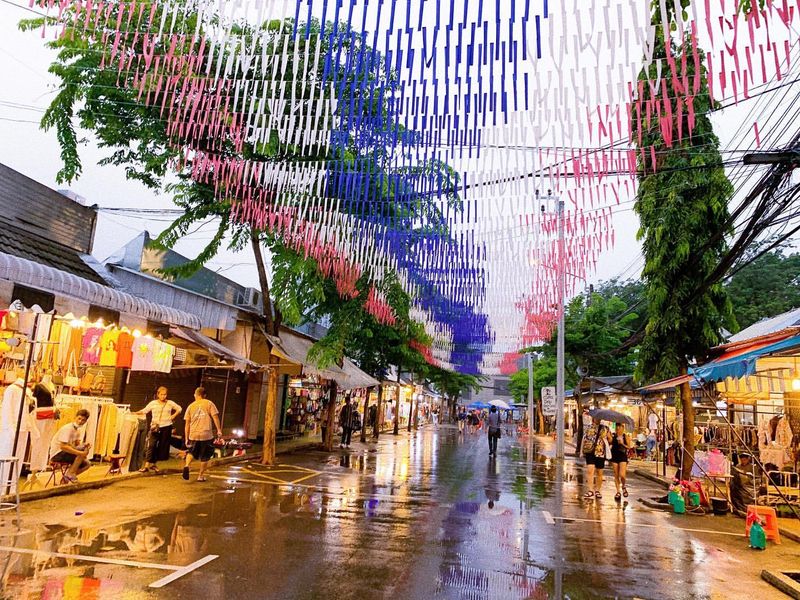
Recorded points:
(500,404)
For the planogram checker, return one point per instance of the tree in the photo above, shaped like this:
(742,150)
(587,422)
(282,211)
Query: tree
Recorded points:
(682,204)
(452,385)
(766,287)
(125,112)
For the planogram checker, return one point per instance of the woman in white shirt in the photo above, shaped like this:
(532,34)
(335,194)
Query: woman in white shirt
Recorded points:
(163,412)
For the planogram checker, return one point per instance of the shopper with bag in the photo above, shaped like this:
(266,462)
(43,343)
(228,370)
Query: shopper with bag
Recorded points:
(595,450)
(201,418)
(493,430)
(163,413)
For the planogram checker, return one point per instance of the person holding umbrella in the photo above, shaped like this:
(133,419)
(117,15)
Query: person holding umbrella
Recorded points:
(493,430)
(620,444)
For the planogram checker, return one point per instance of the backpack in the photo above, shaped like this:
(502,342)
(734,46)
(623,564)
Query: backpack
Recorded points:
(588,446)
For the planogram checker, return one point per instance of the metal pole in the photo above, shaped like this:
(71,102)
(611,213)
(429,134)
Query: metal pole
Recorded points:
(560,342)
(530,394)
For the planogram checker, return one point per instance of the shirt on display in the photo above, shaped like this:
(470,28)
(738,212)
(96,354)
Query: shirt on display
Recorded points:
(124,350)
(143,354)
(108,348)
(91,345)
(162,358)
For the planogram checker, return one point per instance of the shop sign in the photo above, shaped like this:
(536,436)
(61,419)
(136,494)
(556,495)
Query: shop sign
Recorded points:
(549,401)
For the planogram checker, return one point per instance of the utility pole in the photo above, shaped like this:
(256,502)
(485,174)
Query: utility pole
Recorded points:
(530,394)
(562,272)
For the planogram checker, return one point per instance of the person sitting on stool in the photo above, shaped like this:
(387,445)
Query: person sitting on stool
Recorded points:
(66,447)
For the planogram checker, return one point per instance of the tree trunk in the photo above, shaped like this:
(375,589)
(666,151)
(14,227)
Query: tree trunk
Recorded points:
(272,323)
(376,432)
(540,415)
(452,403)
(687,410)
(270,416)
(364,419)
(397,405)
(330,417)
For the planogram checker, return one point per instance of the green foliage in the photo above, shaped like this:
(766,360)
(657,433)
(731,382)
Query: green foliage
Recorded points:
(544,375)
(681,206)
(95,96)
(767,287)
(452,385)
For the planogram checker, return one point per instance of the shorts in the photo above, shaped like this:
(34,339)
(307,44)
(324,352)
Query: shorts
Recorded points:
(619,457)
(63,457)
(598,461)
(202,450)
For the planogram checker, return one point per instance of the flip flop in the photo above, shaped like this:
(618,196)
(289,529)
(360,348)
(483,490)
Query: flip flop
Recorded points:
(589,495)
(617,496)
(624,491)
(144,470)
(598,495)
(201,479)
(155,470)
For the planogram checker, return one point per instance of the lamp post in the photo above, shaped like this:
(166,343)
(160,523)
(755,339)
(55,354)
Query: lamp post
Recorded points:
(530,395)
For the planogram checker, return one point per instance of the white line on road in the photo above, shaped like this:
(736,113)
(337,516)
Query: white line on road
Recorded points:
(177,570)
(551,520)
(183,571)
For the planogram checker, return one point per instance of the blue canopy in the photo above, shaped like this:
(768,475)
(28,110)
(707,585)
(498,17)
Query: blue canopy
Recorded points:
(478,404)
(743,364)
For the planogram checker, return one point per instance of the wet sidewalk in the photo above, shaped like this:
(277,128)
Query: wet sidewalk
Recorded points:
(41,485)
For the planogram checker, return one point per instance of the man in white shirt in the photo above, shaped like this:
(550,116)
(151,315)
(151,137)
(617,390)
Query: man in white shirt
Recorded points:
(66,446)
(201,418)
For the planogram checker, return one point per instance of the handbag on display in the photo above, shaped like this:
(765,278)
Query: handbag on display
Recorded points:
(71,379)
(8,372)
(87,381)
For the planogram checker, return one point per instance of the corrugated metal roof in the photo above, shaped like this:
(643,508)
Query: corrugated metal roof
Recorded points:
(240,363)
(34,274)
(767,326)
(41,249)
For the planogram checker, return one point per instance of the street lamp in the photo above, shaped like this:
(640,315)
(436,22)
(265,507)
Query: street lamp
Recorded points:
(780,157)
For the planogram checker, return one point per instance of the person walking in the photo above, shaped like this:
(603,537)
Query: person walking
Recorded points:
(346,423)
(462,419)
(201,418)
(493,430)
(66,447)
(163,413)
(620,444)
(593,446)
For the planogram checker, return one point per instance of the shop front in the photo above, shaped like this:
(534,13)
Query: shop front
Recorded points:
(65,364)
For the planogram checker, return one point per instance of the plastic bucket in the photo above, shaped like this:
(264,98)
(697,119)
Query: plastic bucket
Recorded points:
(679,505)
(719,506)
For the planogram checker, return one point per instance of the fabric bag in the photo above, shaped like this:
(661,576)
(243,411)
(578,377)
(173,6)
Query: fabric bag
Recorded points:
(607,447)
(71,379)
(8,373)
(496,432)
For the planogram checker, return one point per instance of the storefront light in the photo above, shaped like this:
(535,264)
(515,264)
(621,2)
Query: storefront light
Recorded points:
(76,323)
(136,333)
(796,381)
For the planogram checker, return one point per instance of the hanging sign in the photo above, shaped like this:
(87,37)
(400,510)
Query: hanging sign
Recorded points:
(549,401)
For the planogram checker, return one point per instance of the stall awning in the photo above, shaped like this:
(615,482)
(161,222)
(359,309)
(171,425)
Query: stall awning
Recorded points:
(240,363)
(742,361)
(294,347)
(34,274)
(663,386)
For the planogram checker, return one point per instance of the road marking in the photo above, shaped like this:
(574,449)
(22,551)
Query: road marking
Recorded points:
(177,571)
(551,519)
(183,571)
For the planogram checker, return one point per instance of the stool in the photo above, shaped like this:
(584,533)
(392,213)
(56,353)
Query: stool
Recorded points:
(9,468)
(771,518)
(56,468)
(115,464)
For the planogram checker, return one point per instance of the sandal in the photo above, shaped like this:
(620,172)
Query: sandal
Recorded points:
(617,496)
(144,470)
(589,495)
(155,469)
(201,479)
(624,491)
(597,494)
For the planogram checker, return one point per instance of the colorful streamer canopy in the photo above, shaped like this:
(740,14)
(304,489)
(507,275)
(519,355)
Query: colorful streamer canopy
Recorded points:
(429,138)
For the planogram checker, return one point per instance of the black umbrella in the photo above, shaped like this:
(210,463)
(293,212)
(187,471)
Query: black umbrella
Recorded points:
(605,414)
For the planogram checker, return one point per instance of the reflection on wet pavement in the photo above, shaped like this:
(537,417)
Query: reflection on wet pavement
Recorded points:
(428,516)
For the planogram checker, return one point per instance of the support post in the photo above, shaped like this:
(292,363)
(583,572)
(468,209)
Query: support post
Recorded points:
(376,431)
(331,416)
(562,267)
(366,415)
(270,416)
(397,405)
(531,416)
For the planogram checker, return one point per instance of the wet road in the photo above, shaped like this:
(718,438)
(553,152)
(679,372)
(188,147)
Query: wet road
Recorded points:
(429,516)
